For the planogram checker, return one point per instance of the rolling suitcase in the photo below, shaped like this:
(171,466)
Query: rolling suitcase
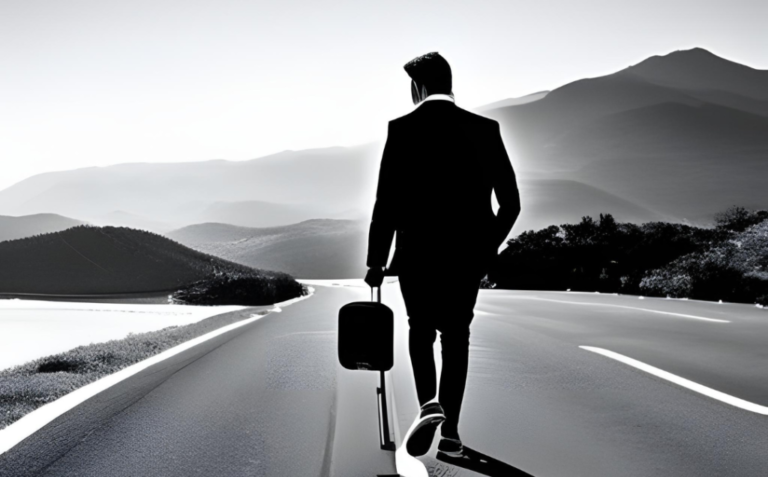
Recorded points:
(366,337)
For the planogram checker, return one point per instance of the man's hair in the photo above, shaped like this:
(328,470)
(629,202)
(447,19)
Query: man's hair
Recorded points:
(431,70)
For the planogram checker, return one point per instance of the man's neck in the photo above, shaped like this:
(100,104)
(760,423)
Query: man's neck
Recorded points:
(437,96)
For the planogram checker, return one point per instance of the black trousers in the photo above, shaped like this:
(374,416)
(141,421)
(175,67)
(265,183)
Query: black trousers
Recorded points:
(445,304)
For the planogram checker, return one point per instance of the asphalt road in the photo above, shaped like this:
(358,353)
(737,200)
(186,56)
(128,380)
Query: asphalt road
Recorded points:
(269,399)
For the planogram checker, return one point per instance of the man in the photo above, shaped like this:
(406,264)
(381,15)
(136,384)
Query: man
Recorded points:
(439,166)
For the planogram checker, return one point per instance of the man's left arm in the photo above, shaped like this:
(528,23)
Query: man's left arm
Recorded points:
(505,187)
(383,221)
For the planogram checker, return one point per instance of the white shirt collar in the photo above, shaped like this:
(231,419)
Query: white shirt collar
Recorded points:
(432,97)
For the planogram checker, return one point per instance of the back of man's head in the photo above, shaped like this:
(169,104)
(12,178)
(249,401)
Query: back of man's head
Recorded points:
(431,71)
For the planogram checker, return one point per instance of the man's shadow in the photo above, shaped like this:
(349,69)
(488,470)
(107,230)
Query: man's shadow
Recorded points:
(480,463)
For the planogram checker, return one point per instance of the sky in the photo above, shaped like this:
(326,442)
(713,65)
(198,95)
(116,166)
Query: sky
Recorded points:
(99,82)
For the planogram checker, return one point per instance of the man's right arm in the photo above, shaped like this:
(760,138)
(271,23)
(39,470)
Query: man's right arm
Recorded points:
(505,186)
(382,228)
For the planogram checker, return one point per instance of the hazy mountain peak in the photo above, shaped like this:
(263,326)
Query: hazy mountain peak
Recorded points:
(699,69)
(697,50)
(693,57)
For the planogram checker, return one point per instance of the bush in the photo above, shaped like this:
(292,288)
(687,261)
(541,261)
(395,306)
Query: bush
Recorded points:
(263,288)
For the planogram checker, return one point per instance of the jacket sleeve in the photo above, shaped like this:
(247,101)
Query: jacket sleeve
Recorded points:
(383,221)
(505,186)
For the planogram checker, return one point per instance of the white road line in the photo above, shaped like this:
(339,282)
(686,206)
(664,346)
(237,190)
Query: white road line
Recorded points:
(680,315)
(40,417)
(659,373)
(407,465)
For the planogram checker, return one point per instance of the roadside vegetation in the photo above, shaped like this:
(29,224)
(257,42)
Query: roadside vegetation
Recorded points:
(104,260)
(26,387)
(727,262)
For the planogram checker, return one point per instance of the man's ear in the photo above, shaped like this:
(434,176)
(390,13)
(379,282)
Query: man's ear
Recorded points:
(414,92)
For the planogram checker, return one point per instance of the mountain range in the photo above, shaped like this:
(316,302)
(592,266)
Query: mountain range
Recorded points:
(296,185)
(677,137)
(685,134)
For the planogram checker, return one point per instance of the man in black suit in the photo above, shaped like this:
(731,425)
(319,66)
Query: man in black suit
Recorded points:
(439,166)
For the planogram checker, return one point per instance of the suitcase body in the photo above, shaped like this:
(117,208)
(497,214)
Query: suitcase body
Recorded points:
(366,335)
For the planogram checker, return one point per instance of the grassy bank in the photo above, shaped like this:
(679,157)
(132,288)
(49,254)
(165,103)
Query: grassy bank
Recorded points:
(26,387)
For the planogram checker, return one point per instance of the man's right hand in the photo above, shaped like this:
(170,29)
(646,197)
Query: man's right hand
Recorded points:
(374,277)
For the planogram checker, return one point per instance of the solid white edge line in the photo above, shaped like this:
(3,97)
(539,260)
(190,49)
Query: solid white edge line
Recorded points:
(37,419)
(681,315)
(659,373)
(409,466)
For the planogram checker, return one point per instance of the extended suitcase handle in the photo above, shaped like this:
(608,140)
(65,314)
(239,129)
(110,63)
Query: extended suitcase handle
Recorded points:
(378,294)
(385,440)
(381,394)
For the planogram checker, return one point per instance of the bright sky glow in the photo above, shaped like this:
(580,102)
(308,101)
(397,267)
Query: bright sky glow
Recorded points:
(94,82)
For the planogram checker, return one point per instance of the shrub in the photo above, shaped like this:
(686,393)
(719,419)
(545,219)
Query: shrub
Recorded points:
(57,365)
(253,289)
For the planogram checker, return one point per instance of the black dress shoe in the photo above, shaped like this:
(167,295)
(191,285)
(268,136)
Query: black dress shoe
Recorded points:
(423,431)
(451,447)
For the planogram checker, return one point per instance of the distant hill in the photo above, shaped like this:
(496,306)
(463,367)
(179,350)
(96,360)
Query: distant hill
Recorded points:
(310,249)
(95,260)
(255,213)
(699,69)
(12,228)
(528,98)
(120,218)
(683,135)
(547,202)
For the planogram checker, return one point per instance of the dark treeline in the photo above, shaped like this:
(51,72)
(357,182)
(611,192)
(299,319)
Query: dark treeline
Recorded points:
(728,262)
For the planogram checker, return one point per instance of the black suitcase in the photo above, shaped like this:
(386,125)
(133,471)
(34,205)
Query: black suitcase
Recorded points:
(366,335)
(366,338)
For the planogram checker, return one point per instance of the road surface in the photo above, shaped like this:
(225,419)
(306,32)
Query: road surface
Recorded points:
(269,399)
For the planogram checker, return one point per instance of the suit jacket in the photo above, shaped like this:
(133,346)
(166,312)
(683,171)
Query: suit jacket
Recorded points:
(439,166)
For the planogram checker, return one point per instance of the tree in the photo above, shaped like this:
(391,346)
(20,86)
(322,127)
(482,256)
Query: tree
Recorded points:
(738,219)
